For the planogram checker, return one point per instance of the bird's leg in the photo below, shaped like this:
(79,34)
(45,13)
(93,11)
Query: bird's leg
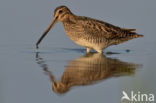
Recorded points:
(89,50)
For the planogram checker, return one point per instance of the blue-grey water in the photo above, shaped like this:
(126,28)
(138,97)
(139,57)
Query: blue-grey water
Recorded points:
(27,75)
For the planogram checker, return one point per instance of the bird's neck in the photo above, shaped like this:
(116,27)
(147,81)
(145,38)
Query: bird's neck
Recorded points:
(71,18)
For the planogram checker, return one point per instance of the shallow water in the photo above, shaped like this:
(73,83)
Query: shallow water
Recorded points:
(60,71)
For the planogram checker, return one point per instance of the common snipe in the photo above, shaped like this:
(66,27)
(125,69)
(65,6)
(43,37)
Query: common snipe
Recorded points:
(88,32)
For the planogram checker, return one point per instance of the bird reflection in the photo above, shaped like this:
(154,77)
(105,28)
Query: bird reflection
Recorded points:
(86,70)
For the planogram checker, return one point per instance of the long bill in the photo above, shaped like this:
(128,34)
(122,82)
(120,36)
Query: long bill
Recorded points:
(46,32)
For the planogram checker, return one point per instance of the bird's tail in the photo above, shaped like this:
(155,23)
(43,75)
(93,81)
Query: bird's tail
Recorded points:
(131,33)
(135,35)
(129,36)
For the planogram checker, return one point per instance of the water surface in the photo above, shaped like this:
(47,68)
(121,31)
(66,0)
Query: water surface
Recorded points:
(60,71)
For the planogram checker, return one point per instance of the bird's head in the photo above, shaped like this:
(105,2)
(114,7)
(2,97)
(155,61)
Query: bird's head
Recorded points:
(61,13)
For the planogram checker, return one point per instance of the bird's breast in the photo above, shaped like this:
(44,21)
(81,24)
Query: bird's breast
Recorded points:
(73,30)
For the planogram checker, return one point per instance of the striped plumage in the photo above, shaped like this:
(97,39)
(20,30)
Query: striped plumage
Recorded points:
(89,32)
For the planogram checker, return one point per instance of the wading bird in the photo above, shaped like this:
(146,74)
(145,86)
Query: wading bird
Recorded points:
(88,32)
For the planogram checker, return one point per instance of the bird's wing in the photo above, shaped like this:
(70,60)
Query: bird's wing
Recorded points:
(132,30)
(100,29)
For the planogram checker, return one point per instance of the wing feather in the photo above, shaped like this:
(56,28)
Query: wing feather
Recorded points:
(100,29)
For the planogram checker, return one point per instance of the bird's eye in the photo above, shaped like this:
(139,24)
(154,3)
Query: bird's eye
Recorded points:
(60,11)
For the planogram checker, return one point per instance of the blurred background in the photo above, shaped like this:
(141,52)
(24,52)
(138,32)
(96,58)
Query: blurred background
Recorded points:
(22,22)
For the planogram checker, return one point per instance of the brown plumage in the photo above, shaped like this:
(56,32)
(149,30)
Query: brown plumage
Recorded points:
(89,32)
